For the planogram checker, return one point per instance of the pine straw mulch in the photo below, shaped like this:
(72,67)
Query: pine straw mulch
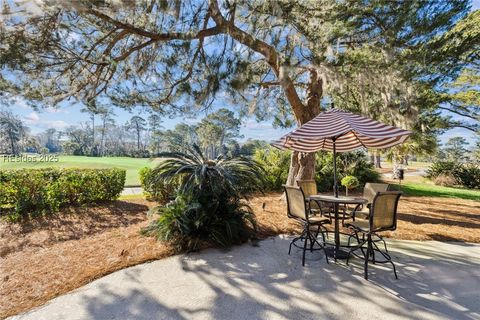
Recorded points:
(47,257)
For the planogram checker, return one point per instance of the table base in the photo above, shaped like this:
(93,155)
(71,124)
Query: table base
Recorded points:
(336,254)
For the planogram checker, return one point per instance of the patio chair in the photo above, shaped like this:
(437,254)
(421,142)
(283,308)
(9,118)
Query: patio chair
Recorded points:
(297,209)
(309,187)
(382,217)
(369,192)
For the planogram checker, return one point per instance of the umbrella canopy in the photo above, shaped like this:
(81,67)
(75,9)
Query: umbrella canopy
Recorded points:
(343,131)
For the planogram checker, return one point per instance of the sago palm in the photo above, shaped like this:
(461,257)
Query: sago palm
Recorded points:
(209,204)
(235,176)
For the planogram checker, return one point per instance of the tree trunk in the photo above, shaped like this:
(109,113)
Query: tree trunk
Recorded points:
(138,140)
(371,155)
(93,134)
(12,142)
(302,165)
(102,141)
(378,163)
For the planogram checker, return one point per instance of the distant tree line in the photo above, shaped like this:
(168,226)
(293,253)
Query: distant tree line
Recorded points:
(141,136)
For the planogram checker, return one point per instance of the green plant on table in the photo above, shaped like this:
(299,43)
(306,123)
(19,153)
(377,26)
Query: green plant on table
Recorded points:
(350,182)
(209,206)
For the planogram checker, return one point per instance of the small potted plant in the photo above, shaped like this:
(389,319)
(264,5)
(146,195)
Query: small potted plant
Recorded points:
(349,182)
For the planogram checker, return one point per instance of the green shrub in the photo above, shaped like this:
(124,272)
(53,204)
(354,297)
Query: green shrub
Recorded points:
(441,168)
(275,164)
(349,182)
(354,164)
(464,174)
(468,175)
(445,180)
(209,204)
(40,191)
(155,189)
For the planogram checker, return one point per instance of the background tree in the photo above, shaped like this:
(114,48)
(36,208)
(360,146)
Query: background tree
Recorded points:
(93,109)
(155,124)
(181,136)
(248,148)
(462,97)
(12,131)
(138,125)
(456,148)
(218,129)
(106,116)
(78,142)
(50,139)
(476,150)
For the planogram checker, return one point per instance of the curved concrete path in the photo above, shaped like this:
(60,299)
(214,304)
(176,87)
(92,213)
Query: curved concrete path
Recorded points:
(127,191)
(437,281)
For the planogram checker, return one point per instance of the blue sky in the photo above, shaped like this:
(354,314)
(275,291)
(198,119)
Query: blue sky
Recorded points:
(66,115)
(70,114)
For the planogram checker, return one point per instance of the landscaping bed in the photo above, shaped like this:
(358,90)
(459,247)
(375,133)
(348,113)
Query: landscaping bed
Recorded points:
(46,257)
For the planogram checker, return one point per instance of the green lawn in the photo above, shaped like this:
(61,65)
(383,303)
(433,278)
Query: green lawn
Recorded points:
(131,165)
(431,190)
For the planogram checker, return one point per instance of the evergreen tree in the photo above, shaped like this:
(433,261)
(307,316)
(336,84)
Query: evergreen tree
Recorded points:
(277,59)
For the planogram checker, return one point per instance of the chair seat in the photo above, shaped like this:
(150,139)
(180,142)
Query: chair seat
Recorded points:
(364,213)
(362,225)
(318,219)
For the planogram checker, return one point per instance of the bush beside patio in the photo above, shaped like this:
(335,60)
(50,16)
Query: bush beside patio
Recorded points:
(43,191)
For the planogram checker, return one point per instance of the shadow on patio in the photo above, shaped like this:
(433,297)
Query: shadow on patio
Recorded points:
(437,280)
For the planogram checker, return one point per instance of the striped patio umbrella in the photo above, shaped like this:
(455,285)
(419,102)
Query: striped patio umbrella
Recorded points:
(341,131)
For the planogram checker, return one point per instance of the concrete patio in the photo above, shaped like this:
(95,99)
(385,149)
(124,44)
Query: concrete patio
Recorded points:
(436,281)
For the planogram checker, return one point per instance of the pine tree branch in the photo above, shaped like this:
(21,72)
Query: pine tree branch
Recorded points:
(153,35)
(269,52)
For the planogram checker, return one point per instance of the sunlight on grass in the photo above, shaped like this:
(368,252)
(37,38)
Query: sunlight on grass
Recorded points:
(131,197)
(431,190)
(131,165)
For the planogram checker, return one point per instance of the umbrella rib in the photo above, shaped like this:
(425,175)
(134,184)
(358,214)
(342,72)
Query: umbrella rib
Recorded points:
(359,139)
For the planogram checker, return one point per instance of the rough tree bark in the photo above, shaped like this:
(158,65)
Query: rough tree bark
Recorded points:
(378,163)
(302,165)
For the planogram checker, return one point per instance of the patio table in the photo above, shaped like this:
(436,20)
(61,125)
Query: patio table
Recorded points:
(336,252)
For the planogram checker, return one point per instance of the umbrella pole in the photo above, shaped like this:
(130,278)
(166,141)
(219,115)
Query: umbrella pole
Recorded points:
(335,184)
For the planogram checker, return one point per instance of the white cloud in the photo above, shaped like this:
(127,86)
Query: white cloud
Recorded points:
(191,121)
(32,118)
(20,102)
(55,110)
(254,125)
(56,124)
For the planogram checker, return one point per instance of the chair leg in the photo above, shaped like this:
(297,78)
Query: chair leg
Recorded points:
(387,257)
(310,238)
(292,242)
(369,249)
(394,269)
(384,243)
(323,234)
(304,251)
(323,247)
(358,246)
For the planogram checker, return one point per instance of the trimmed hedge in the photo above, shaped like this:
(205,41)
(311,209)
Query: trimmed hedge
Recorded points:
(154,189)
(40,191)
